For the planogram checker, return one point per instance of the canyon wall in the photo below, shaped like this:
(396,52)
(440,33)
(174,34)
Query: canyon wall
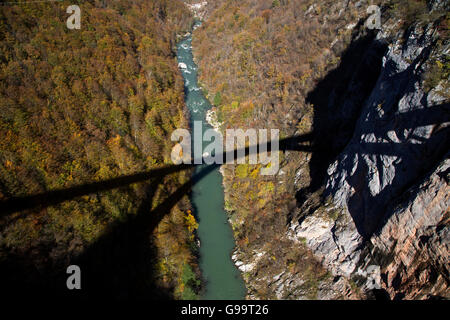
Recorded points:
(390,183)
(365,214)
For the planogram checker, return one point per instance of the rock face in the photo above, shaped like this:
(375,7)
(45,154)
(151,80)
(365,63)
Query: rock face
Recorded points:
(417,239)
(399,136)
(389,185)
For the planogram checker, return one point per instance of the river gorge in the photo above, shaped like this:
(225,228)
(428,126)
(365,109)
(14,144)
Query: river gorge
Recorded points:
(222,278)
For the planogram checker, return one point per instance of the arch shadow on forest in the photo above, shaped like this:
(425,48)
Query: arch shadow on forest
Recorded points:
(119,264)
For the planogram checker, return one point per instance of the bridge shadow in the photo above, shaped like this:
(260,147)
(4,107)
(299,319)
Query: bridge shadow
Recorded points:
(118,265)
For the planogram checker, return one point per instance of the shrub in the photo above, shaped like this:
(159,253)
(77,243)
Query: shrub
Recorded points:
(190,283)
(217,99)
(437,72)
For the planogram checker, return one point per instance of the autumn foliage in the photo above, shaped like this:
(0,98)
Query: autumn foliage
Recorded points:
(86,105)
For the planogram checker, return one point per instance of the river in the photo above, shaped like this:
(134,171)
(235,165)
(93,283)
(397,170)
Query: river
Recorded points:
(221,277)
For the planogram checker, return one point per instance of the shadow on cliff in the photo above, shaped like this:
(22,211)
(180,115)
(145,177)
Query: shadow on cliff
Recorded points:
(415,161)
(338,101)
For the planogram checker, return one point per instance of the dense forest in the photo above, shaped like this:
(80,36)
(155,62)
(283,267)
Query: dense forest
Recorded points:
(259,61)
(87,105)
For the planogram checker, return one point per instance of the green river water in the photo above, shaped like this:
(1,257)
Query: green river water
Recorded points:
(222,279)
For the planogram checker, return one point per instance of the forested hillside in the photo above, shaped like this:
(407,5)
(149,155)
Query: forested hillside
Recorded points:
(87,105)
(307,68)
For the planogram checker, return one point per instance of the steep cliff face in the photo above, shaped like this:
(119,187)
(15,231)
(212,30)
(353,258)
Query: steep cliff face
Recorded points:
(390,183)
(416,238)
